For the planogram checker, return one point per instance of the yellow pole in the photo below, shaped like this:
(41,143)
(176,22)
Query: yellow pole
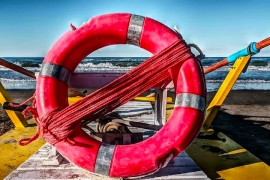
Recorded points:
(224,90)
(17,118)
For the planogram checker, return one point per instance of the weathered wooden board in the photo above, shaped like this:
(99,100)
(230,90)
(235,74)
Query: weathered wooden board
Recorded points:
(138,111)
(182,167)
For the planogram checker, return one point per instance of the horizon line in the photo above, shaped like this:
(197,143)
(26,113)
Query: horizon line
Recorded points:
(115,56)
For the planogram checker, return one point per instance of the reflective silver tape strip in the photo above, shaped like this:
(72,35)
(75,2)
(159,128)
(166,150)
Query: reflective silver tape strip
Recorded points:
(104,158)
(135,29)
(190,100)
(55,71)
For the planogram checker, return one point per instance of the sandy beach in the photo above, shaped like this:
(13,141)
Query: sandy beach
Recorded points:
(244,117)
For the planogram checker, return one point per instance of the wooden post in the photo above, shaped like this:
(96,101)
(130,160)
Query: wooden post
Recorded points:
(160,106)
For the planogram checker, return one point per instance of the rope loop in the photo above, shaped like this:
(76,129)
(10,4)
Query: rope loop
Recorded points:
(23,103)
(201,55)
(30,110)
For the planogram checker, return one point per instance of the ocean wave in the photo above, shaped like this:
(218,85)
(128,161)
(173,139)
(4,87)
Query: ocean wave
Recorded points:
(34,69)
(250,68)
(19,80)
(89,66)
(258,63)
(208,80)
(240,80)
(34,63)
(113,59)
(86,67)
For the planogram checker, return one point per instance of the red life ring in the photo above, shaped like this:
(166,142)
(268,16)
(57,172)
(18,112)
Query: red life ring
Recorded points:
(123,160)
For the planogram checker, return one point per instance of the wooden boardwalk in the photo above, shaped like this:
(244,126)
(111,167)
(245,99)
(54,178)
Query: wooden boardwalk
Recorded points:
(182,167)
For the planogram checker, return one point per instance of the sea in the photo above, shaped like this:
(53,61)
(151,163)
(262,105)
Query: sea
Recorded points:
(256,77)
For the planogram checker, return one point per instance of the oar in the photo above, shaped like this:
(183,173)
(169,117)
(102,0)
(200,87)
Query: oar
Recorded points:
(31,74)
(251,50)
(17,68)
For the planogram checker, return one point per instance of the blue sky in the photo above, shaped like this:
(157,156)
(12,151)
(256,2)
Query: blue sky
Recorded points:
(30,27)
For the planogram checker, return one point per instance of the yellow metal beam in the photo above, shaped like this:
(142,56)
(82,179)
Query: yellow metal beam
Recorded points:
(253,171)
(169,109)
(151,99)
(222,158)
(224,90)
(16,117)
(12,155)
(72,100)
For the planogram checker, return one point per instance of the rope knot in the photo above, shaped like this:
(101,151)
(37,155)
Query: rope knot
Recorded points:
(51,132)
(55,132)
(30,111)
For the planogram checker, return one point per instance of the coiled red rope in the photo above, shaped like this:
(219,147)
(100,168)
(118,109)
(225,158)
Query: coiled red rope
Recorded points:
(59,124)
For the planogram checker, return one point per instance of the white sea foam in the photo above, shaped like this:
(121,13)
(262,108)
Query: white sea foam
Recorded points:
(240,81)
(18,80)
(208,80)
(250,68)
(108,66)
(88,67)
(34,69)
(254,75)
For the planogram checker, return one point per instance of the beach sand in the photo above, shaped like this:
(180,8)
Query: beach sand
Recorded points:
(244,117)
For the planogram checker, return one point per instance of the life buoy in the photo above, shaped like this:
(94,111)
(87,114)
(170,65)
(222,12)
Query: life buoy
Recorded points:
(123,160)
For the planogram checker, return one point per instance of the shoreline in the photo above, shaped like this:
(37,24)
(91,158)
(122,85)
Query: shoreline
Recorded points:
(235,97)
(244,117)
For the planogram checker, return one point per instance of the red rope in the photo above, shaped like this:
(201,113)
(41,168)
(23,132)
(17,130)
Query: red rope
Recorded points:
(58,125)
(26,101)
(28,111)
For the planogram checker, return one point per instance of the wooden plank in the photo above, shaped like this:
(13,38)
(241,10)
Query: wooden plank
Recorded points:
(178,173)
(96,80)
(32,164)
(135,111)
(182,167)
(160,106)
(93,80)
(52,174)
